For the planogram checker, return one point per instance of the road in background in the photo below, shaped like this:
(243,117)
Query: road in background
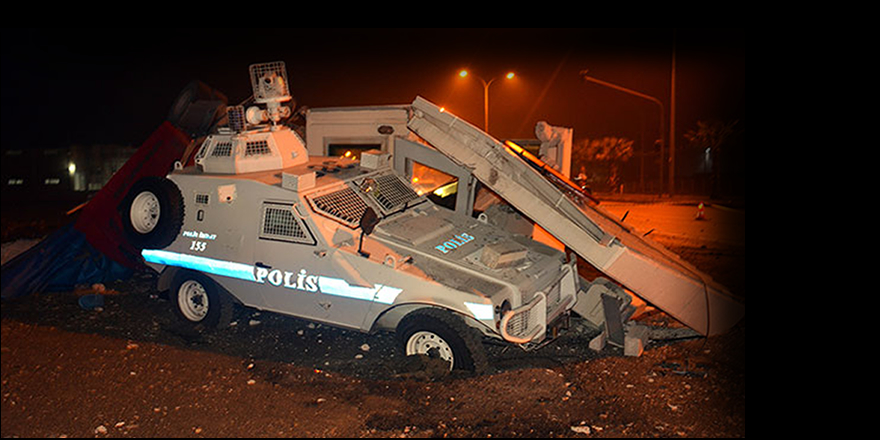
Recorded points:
(676,223)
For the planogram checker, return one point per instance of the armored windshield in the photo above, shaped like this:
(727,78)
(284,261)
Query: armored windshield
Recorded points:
(386,193)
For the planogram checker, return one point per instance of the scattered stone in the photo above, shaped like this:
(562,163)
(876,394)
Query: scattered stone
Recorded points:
(585,430)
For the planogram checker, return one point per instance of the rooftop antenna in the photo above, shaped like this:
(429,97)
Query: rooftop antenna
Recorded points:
(269,81)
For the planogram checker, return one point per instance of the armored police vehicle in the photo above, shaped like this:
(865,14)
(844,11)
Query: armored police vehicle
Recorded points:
(258,222)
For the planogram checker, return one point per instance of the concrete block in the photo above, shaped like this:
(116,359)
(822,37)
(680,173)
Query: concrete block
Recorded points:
(503,254)
(298,182)
(635,340)
(598,343)
(374,159)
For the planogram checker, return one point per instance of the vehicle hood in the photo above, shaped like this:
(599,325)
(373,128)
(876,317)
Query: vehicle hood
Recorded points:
(469,255)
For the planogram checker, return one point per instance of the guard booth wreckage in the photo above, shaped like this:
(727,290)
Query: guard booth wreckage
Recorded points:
(336,225)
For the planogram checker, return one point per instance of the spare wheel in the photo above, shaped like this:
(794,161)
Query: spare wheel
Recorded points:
(152,213)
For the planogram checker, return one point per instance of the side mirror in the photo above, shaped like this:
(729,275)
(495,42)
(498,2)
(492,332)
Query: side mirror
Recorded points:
(368,222)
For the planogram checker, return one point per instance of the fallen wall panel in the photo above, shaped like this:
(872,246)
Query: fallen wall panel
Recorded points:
(646,268)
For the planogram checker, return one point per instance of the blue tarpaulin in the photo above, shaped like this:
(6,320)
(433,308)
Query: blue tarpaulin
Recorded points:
(58,263)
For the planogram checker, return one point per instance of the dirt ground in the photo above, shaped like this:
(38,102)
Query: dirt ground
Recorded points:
(129,369)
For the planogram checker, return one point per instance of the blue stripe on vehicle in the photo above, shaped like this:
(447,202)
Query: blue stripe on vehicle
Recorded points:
(223,268)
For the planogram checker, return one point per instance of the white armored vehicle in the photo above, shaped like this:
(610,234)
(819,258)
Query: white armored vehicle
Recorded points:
(259,222)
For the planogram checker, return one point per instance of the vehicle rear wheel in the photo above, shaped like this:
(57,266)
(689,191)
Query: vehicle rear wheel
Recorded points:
(438,333)
(198,301)
(152,213)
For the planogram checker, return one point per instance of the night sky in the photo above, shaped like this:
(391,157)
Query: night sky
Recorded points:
(89,86)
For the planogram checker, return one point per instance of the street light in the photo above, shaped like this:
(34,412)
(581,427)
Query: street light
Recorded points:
(640,95)
(464,73)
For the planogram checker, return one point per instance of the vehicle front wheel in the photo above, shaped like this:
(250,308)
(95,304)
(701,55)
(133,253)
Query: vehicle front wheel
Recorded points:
(198,301)
(438,333)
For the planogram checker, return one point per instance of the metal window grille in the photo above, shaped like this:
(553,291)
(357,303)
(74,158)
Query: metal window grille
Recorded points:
(519,324)
(269,80)
(203,151)
(256,148)
(222,149)
(391,192)
(280,223)
(236,118)
(343,205)
(202,199)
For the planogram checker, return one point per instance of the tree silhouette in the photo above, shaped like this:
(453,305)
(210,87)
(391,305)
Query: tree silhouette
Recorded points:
(712,137)
(602,157)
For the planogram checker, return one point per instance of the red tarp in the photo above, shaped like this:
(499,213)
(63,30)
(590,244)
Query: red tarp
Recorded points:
(100,221)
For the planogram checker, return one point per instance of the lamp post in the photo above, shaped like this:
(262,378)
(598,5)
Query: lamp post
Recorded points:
(644,96)
(486,84)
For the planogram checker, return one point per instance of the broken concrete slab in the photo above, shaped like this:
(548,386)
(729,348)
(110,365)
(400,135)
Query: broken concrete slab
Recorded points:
(637,337)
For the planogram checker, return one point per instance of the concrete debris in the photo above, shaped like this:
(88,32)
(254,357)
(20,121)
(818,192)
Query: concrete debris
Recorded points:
(636,339)
(598,343)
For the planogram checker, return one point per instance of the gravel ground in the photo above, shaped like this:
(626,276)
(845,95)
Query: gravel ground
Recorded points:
(129,369)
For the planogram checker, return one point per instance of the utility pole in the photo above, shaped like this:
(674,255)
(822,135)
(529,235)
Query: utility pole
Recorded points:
(672,123)
(619,88)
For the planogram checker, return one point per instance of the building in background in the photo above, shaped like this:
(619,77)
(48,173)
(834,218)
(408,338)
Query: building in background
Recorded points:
(46,174)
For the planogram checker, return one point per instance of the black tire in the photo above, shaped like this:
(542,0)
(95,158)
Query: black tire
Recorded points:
(152,213)
(441,330)
(198,301)
(197,109)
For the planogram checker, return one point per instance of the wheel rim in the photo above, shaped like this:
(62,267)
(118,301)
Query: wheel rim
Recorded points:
(422,342)
(192,300)
(144,213)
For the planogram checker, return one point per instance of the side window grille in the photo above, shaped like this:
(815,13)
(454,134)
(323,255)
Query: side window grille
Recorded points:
(256,148)
(280,223)
(204,150)
(343,205)
(222,149)
(202,199)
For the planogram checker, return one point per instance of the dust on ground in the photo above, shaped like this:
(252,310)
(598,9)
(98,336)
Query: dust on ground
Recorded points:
(129,369)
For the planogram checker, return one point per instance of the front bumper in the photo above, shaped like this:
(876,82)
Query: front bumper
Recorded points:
(528,323)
